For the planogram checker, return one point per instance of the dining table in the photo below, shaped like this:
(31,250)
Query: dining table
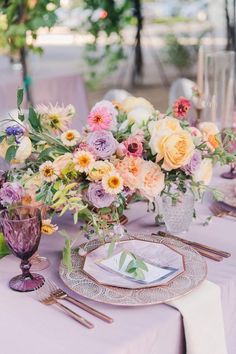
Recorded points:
(27,326)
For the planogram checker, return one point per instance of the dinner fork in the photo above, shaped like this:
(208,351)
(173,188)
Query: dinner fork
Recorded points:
(61,294)
(46,298)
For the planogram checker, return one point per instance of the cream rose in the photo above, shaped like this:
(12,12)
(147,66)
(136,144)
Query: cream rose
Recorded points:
(152,180)
(131,103)
(176,149)
(61,162)
(100,169)
(160,129)
(139,116)
(24,149)
(204,172)
(3,148)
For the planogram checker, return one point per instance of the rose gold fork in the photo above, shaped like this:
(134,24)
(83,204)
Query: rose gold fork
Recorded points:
(60,294)
(47,298)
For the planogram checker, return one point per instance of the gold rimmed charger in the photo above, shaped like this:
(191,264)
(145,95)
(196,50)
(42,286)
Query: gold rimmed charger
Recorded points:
(193,275)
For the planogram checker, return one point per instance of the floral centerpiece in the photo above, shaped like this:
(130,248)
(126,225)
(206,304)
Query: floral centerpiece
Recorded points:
(126,148)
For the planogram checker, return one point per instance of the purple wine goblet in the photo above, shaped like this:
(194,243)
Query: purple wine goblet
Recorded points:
(21,227)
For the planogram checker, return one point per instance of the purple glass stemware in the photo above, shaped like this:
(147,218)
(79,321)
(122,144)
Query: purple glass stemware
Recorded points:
(21,227)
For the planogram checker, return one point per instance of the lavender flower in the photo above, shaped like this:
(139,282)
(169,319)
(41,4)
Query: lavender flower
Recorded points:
(11,192)
(103,143)
(15,130)
(98,197)
(193,164)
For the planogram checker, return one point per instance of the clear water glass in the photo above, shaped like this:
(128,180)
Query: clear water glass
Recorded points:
(178,215)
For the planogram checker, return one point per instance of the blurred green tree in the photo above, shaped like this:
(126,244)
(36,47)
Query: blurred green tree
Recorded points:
(19,23)
(105,22)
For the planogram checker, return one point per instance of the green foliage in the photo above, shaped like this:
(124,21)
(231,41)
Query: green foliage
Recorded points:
(177,54)
(136,266)
(21,17)
(107,20)
(4,250)
(34,120)
(11,153)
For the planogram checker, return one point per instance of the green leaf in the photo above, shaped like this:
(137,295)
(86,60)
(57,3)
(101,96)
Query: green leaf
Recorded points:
(10,140)
(11,153)
(20,96)
(67,255)
(34,120)
(45,154)
(4,250)
(132,265)
(111,248)
(122,259)
(21,117)
(141,264)
(139,274)
(2,137)
(131,270)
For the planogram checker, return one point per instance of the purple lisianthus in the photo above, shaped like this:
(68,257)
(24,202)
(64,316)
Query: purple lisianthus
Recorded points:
(98,197)
(11,192)
(193,164)
(103,142)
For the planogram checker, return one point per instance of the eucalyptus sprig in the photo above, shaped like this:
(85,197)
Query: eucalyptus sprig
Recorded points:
(136,266)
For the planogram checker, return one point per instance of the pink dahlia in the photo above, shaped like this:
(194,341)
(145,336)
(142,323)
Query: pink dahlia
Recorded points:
(181,107)
(100,118)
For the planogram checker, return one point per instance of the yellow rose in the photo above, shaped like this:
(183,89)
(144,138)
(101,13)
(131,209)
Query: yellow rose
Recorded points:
(176,149)
(160,129)
(24,150)
(100,169)
(131,103)
(152,180)
(204,172)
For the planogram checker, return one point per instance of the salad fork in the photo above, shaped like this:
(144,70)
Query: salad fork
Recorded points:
(62,295)
(46,298)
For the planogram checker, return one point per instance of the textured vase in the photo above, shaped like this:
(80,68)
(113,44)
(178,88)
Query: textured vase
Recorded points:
(178,215)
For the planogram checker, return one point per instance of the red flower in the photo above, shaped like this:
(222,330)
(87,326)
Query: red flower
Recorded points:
(181,107)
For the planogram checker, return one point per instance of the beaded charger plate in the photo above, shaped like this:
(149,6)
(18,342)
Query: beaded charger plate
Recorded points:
(195,271)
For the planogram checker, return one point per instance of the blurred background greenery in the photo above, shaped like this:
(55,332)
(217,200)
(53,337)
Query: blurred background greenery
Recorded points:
(132,44)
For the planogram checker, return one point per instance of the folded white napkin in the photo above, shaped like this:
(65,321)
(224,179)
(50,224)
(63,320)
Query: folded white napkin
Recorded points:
(203,319)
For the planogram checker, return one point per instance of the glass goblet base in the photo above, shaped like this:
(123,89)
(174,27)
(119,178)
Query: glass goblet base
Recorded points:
(24,284)
(229,175)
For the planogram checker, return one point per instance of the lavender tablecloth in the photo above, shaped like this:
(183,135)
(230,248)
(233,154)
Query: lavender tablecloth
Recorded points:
(26,326)
(47,88)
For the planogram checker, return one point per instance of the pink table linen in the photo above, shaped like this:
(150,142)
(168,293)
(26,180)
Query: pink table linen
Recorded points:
(26,326)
